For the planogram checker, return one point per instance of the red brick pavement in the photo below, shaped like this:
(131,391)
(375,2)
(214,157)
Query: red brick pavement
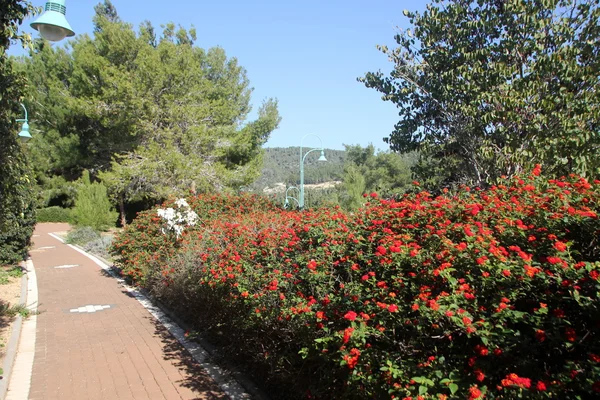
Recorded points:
(118,353)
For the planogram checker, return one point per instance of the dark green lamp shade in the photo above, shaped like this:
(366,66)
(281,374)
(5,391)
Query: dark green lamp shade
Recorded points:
(24,134)
(52,24)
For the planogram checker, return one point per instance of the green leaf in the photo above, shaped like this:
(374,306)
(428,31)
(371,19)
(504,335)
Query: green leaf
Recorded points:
(453,388)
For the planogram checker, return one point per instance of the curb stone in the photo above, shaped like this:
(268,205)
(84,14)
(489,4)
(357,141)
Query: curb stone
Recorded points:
(11,348)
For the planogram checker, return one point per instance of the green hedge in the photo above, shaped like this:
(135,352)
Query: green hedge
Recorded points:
(53,214)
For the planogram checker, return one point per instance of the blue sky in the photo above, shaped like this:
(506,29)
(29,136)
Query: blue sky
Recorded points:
(307,54)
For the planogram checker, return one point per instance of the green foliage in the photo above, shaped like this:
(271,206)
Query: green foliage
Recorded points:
(6,310)
(99,247)
(6,275)
(150,117)
(17,216)
(92,207)
(353,188)
(453,296)
(53,214)
(82,235)
(490,88)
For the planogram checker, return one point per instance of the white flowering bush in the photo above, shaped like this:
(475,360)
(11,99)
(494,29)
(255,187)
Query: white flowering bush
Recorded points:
(176,219)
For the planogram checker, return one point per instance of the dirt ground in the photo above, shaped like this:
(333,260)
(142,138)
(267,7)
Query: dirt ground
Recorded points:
(10,293)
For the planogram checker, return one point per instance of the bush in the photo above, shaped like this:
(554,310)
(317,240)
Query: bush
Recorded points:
(99,247)
(53,214)
(17,213)
(92,207)
(83,235)
(475,293)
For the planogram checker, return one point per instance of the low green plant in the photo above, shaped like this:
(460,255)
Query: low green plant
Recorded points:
(92,207)
(53,214)
(99,247)
(5,275)
(83,235)
(6,310)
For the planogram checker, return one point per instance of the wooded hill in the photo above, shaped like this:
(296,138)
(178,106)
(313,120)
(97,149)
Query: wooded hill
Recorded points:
(282,165)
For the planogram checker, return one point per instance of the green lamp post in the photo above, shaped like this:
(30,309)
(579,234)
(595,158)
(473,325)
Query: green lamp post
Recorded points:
(52,24)
(24,135)
(286,203)
(302,158)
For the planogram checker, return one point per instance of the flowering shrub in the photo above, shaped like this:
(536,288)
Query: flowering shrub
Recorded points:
(175,220)
(482,293)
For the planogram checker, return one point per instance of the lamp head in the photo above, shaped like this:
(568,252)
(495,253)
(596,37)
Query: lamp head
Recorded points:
(24,134)
(322,158)
(52,24)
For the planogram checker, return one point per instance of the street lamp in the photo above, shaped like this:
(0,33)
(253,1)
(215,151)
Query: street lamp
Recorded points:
(52,24)
(24,134)
(302,158)
(286,203)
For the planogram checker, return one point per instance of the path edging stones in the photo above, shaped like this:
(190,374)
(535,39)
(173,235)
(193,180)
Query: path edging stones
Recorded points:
(15,335)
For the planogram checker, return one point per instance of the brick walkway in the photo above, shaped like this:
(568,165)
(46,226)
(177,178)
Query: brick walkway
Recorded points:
(119,351)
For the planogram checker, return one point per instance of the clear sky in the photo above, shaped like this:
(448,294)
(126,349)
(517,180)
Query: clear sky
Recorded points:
(307,54)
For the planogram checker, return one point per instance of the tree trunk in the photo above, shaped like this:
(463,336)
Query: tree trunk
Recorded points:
(122,211)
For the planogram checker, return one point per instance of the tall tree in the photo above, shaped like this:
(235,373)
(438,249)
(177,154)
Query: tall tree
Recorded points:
(17,216)
(488,88)
(151,118)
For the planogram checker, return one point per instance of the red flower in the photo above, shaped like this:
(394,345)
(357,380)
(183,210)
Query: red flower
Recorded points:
(541,386)
(380,251)
(350,315)
(570,334)
(392,308)
(506,272)
(312,265)
(347,335)
(479,375)
(560,246)
(537,170)
(595,357)
(474,393)
(540,335)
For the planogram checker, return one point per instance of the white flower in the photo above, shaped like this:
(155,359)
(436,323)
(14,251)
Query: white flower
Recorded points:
(176,220)
(181,203)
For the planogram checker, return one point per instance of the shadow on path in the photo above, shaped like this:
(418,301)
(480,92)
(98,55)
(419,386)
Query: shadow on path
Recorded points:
(197,379)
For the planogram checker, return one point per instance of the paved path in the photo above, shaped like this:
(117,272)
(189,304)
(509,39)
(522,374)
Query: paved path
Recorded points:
(118,351)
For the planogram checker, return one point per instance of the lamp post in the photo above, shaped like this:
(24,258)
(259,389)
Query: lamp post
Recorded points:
(52,24)
(286,203)
(24,135)
(302,158)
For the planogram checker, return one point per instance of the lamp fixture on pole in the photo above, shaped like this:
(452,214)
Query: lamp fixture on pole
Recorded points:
(302,158)
(286,203)
(52,24)
(24,135)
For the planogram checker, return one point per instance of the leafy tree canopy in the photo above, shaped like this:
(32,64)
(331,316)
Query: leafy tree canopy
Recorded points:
(151,117)
(488,88)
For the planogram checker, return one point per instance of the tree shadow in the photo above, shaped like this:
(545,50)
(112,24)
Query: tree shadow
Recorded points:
(197,379)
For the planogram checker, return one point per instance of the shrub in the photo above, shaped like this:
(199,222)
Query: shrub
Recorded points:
(53,214)
(82,235)
(92,207)
(99,247)
(480,292)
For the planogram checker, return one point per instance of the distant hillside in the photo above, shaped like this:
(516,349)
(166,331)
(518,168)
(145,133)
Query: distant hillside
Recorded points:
(282,165)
